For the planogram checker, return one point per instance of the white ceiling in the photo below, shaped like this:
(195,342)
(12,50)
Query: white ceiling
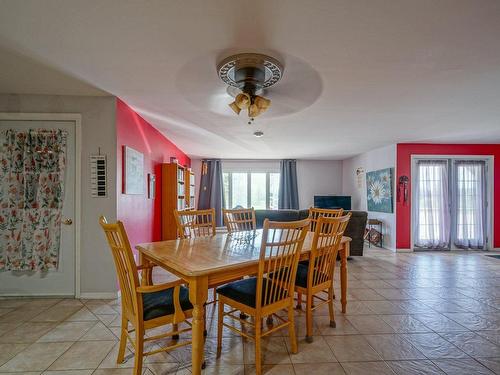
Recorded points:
(358,74)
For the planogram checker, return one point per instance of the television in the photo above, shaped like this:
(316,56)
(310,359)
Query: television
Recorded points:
(332,201)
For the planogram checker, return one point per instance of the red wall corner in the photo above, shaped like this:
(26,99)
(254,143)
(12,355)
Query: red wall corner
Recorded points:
(140,215)
(403,167)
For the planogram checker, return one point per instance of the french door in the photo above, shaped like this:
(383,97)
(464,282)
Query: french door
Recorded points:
(450,209)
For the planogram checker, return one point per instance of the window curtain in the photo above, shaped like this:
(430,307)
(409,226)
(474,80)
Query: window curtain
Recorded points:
(471,204)
(288,197)
(211,188)
(32,167)
(432,213)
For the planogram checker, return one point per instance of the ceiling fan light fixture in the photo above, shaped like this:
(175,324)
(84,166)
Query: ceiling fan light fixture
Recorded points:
(242,100)
(253,111)
(235,107)
(262,103)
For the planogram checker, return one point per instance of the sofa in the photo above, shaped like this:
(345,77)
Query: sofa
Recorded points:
(355,229)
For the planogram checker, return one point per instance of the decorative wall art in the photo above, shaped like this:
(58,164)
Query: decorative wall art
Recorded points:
(133,176)
(379,190)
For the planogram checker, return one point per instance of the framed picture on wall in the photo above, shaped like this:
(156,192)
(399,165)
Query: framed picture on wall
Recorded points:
(133,171)
(379,190)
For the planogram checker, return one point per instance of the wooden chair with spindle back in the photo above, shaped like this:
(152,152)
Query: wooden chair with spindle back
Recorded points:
(237,220)
(316,213)
(144,307)
(195,223)
(271,290)
(317,275)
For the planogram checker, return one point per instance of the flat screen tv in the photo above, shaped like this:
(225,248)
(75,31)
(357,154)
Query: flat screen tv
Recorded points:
(332,201)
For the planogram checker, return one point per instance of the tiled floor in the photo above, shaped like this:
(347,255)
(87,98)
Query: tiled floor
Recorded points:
(421,313)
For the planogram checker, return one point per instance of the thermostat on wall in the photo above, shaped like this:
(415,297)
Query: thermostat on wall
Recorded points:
(98,178)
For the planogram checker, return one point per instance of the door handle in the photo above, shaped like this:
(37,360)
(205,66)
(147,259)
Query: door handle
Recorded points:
(67,221)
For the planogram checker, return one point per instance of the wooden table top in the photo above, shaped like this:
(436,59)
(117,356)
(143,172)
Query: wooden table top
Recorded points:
(207,255)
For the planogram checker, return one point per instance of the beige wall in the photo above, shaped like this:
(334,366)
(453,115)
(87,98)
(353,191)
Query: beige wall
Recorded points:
(98,130)
(380,158)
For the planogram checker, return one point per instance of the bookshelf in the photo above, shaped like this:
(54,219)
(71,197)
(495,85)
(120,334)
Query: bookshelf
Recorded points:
(175,195)
(190,189)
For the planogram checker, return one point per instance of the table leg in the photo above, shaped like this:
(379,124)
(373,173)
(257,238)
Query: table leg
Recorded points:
(147,273)
(343,276)
(198,294)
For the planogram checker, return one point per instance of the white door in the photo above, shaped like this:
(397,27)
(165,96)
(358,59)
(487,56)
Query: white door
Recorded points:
(62,281)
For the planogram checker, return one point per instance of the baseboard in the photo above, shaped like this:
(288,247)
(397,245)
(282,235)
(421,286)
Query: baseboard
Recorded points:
(404,250)
(45,295)
(104,295)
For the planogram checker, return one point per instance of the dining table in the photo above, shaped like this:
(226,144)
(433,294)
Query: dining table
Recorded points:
(205,262)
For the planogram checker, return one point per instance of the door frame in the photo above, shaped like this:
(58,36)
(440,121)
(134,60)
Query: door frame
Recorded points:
(76,118)
(489,192)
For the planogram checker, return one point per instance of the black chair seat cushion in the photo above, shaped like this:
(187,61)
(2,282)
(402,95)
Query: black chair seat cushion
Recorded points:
(301,278)
(161,303)
(244,291)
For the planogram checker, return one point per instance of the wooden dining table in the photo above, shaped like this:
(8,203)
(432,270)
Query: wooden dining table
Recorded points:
(205,262)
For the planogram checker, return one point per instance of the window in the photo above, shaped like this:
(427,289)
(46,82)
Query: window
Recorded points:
(251,189)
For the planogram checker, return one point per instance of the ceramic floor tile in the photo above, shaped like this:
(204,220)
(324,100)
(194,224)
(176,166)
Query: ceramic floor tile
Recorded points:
(393,347)
(82,315)
(472,344)
(433,346)
(36,357)
(55,313)
(367,368)
(343,326)
(314,352)
(352,348)
(405,323)
(274,351)
(439,323)
(69,372)
(420,367)
(67,331)
(7,351)
(492,363)
(384,307)
(319,368)
(367,324)
(83,355)
(27,332)
(98,332)
(466,366)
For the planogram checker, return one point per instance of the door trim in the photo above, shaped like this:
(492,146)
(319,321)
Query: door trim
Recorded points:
(76,118)
(489,192)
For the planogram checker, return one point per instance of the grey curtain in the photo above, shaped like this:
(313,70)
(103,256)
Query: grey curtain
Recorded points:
(288,197)
(211,193)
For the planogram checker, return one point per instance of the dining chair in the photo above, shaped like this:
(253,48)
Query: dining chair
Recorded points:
(316,213)
(195,223)
(270,291)
(144,307)
(238,220)
(317,276)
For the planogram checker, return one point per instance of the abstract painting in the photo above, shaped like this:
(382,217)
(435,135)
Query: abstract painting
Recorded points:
(379,190)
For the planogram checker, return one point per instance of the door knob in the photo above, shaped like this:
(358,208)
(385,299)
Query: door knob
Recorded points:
(67,221)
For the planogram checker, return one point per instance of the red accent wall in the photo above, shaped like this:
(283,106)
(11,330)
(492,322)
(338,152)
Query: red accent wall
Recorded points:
(403,167)
(142,216)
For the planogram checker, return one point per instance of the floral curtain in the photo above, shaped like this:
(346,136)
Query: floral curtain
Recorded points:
(32,166)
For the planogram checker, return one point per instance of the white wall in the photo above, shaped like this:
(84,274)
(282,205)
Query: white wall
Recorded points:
(314,177)
(318,177)
(380,158)
(98,130)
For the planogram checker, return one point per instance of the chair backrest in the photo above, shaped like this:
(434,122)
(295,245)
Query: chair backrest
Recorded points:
(238,220)
(195,223)
(125,264)
(324,250)
(316,213)
(279,257)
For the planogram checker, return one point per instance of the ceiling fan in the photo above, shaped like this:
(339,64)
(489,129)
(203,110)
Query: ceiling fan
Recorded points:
(247,75)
